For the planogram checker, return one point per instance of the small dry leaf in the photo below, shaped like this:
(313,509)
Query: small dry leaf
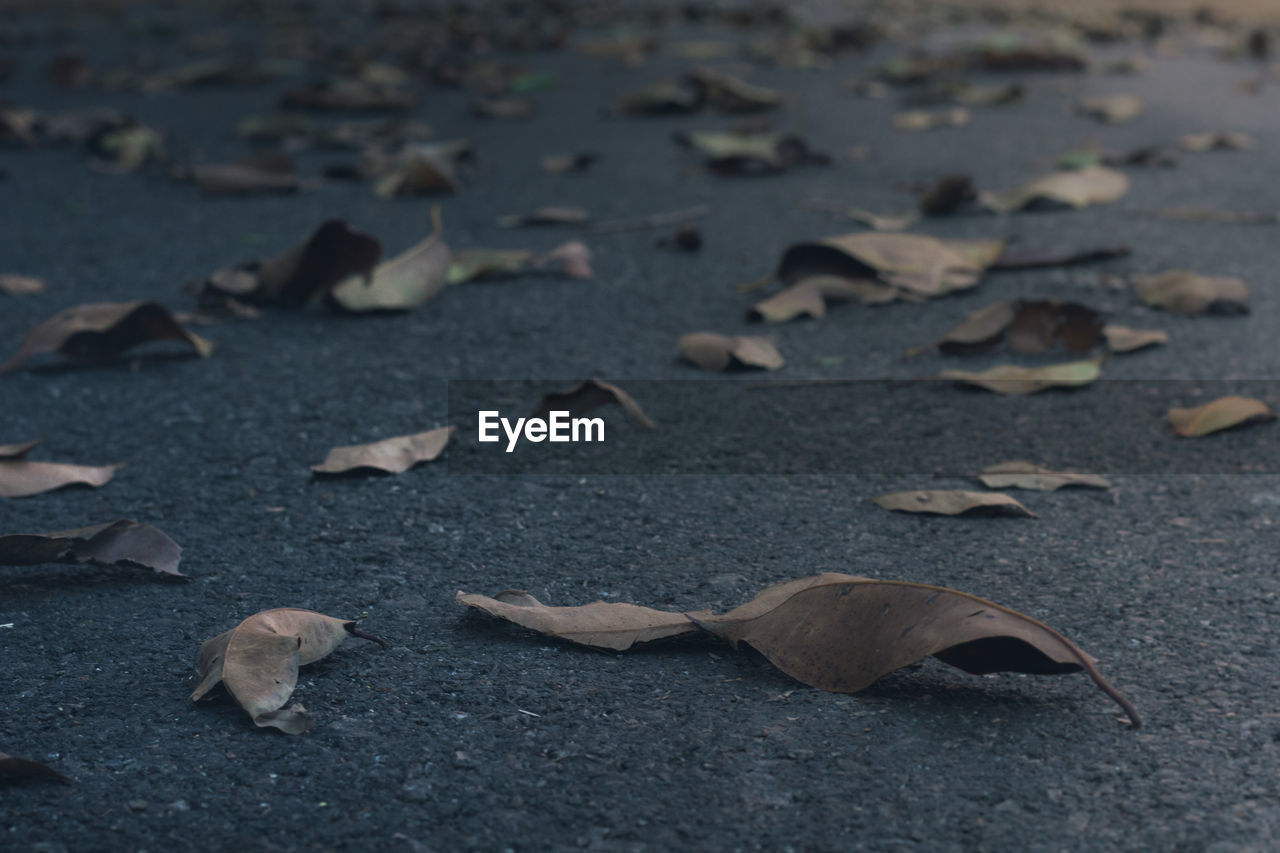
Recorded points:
(711,351)
(809,296)
(127,149)
(1013,380)
(951,502)
(1111,109)
(16,769)
(349,95)
(834,632)
(1223,413)
(20,285)
(562,164)
(99,331)
(418,169)
(1216,141)
(506,108)
(258,660)
(664,98)
(392,455)
(1187,293)
(917,120)
(921,265)
(406,281)
(1122,339)
(331,254)
(731,153)
(551,215)
(1026,475)
(730,94)
(1031,326)
(241,179)
(21,478)
(602,625)
(1077,188)
(123,542)
(589,395)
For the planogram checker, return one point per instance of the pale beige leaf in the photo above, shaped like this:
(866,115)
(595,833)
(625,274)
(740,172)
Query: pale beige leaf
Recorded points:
(1121,339)
(1188,293)
(1076,188)
(603,625)
(1026,475)
(20,285)
(712,351)
(1223,413)
(392,455)
(950,502)
(406,281)
(1015,380)
(917,120)
(1111,109)
(21,478)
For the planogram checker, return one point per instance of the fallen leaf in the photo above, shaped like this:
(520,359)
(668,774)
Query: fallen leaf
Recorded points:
(473,264)
(947,195)
(377,133)
(123,542)
(15,769)
(729,94)
(392,455)
(349,95)
(419,169)
(330,255)
(589,395)
(835,632)
(602,625)
(258,660)
(1216,141)
(1015,381)
(505,108)
(711,351)
(410,279)
(127,149)
(20,285)
(731,153)
(99,331)
(1187,293)
(1111,109)
(1121,339)
(21,478)
(809,296)
(1078,188)
(561,164)
(1026,475)
(573,259)
(1032,326)
(1030,259)
(925,266)
(663,98)
(240,179)
(546,216)
(950,502)
(1223,413)
(917,120)
(278,128)
(876,221)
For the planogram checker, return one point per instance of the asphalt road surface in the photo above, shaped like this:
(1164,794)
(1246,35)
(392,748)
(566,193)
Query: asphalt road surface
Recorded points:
(469,733)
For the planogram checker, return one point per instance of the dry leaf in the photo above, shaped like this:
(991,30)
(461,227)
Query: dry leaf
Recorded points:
(392,455)
(561,164)
(127,149)
(917,120)
(410,279)
(1216,140)
(258,660)
(1223,413)
(21,478)
(601,625)
(711,351)
(1026,475)
(418,169)
(1121,339)
(123,542)
(347,95)
(730,94)
(551,215)
(589,395)
(1111,109)
(1013,380)
(331,254)
(951,502)
(925,266)
(241,179)
(508,108)
(1077,188)
(99,331)
(14,769)
(1032,259)
(572,259)
(750,153)
(1032,326)
(1187,293)
(663,98)
(834,632)
(809,296)
(20,285)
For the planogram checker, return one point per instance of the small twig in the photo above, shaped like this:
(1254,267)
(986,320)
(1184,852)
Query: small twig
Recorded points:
(653,220)
(356,632)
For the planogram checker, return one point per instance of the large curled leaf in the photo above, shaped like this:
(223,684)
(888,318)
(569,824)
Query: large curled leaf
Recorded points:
(712,351)
(950,502)
(100,331)
(1077,188)
(258,660)
(21,478)
(921,265)
(1014,380)
(1187,293)
(123,542)
(392,455)
(406,281)
(1026,475)
(602,625)
(1031,326)
(1222,413)
(832,631)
